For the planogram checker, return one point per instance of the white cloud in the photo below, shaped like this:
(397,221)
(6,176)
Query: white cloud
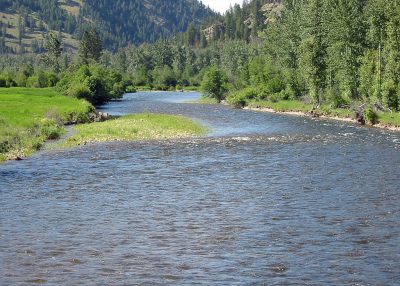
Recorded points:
(220,5)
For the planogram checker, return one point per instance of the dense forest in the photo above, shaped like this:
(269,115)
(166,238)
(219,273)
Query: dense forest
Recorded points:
(120,22)
(325,51)
(341,54)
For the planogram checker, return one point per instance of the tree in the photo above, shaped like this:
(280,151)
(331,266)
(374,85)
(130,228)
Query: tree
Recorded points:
(90,47)
(215,83)
(313,50)
(54,50)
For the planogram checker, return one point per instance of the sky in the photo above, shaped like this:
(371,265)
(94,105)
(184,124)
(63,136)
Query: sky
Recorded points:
(220,5)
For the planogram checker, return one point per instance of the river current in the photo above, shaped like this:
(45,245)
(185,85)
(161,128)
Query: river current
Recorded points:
(263,199)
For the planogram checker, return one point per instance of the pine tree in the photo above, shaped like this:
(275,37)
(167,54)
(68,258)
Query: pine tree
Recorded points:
(90,47)
(54,50)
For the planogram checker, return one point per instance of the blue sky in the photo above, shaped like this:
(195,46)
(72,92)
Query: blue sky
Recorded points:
(220,5)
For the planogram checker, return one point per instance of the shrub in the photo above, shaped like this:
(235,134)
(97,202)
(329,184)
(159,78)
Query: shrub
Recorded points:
(52,79)
(215,83)
(278,96)
(240,98)
(336,100)
(98,89)
(21,79)
(390,95)
(130,89)
(55,116)
(118,90)
(80,90)
(42,79)
(10,80)
(3,82)
(275,85)
(33,81)
(371,116)
(51,131)
(237,99)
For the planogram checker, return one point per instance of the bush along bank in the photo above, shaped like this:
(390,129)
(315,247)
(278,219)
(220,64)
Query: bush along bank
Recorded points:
(94,83)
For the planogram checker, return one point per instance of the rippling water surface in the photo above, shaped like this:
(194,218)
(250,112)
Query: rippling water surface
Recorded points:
(265,199)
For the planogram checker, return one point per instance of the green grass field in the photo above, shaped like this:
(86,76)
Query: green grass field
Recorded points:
(29,117)
(388,118)
(282,106)
(136,127)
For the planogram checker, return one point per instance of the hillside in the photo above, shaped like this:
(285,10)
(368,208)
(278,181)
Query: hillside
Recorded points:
(24,23)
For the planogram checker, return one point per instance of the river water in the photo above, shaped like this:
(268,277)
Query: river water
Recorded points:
(264,199)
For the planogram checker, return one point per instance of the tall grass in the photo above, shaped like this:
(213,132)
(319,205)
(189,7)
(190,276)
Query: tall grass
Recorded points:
(136,127)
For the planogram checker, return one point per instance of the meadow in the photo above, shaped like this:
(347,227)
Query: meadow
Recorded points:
(30,116)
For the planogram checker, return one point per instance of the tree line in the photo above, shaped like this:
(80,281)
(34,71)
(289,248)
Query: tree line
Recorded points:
(329,51)
(340,53)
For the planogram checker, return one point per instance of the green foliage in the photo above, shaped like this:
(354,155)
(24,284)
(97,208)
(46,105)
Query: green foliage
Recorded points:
(335,99)
(94,83)
(53,55)
(240,98)
(164,77)
(371,116)
(391,95)
(3,82)
(370,84)
(130,89)
(215,83)
(90,47)
(80,91)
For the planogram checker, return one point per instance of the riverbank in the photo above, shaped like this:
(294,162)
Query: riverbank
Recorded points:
(172,88)
(390,121)
(31,116)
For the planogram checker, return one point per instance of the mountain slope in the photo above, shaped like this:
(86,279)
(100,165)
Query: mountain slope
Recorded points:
(24,23)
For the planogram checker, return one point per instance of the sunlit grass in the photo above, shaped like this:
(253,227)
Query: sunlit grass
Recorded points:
(389,118)
(282,106)
(30,116)
(25,107)
(136,127)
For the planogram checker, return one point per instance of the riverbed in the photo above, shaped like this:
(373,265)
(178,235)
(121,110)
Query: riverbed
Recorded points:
(263,199)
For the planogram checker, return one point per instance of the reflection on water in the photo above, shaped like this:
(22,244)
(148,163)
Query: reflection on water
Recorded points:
(266,199)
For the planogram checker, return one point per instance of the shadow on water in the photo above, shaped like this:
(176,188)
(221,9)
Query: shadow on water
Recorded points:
(265,199)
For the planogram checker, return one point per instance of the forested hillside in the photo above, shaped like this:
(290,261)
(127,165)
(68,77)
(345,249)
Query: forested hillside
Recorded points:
(24,23)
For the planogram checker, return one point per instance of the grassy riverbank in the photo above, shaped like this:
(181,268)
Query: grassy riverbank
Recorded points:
(204,100)
(136,127)
(30,116)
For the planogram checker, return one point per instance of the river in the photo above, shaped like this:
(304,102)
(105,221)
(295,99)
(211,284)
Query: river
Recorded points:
(264,199)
